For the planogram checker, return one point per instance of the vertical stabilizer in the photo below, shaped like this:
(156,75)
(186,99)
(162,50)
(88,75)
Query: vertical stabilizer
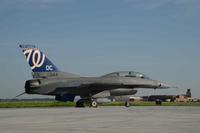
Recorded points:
(37,60)
(41,66)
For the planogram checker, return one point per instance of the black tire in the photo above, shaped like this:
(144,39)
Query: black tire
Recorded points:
(94,104)
(158,102)
(80,104)
(127,104)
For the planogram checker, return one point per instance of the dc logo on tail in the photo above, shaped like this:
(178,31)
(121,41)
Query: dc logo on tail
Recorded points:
(34,57)
(38,61)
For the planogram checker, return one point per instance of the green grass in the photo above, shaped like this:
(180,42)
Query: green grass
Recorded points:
(35,104)
(71,104)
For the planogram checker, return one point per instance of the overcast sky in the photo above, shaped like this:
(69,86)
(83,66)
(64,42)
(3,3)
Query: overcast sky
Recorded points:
(160,38)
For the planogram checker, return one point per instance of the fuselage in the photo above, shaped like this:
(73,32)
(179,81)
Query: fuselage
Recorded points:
(86,85)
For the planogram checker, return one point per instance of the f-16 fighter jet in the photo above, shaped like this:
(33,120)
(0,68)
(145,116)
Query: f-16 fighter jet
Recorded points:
(49,80)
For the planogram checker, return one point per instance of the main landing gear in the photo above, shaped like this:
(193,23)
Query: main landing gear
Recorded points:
(93,103)
(127,103)
(83,102)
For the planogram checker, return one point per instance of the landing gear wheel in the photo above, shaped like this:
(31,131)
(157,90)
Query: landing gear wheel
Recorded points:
(127,104)
(93,104)
(80,104)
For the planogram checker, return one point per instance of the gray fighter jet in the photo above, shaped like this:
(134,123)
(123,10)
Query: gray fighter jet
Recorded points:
(49,80)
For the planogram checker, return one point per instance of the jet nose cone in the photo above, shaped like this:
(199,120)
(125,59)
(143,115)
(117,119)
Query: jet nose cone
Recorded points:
(165,86)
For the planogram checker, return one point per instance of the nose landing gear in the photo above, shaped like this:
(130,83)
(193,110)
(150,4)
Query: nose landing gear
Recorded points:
(93,104)
(127,103)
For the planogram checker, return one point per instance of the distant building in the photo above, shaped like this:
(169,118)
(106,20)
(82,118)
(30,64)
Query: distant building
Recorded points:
(185,98)
(182,98)
(188,93)
(171,98)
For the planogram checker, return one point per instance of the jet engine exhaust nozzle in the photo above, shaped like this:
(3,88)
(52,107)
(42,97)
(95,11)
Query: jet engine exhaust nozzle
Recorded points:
(31,85)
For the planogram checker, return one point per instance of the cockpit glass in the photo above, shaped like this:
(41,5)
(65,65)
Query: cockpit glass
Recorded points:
(127,74)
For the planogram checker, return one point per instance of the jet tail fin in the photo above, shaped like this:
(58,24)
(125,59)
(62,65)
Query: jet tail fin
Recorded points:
(41,66)
(37,60)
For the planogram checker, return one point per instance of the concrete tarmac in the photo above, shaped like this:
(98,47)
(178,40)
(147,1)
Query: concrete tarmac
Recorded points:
(101,120)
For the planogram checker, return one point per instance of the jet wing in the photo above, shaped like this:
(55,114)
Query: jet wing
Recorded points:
(82,89)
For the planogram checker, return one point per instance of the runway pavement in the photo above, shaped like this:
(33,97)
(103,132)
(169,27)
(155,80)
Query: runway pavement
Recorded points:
(102,119)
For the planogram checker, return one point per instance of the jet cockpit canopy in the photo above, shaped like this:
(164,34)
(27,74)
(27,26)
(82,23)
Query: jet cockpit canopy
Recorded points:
(127,74)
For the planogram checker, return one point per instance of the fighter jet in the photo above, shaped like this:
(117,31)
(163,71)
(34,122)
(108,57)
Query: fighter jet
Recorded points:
(49,80)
